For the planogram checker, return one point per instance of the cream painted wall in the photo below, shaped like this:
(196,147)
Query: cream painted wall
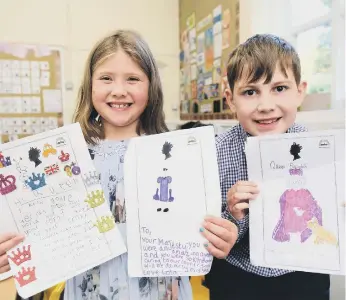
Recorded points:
(75,25)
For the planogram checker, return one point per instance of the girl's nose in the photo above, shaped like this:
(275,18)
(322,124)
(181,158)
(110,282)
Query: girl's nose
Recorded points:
(118,90)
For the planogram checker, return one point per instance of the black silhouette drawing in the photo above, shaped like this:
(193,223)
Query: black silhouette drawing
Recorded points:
(34,156)
(166,149)
(295,150)
(145,285)
(92,153)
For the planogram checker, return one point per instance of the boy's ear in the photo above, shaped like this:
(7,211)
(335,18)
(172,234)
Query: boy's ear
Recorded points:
(301,92)
(230,99)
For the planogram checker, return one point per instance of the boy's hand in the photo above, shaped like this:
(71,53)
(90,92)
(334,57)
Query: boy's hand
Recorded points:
(221,235)
(7,241)
(238,197)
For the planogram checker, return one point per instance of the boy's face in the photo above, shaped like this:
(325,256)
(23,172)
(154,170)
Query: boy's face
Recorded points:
(267,108)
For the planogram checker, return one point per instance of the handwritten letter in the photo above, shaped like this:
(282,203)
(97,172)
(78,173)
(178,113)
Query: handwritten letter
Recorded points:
(168,195)
(50,189)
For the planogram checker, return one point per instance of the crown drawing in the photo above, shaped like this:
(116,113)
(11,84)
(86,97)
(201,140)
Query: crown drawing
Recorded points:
(25,276)
(91,178)
(21,256)
(95,199)
(7,184)
(60,141)
(191,140)
(324,143)
(296,171)
(36,181)
(105,224)
(64,156)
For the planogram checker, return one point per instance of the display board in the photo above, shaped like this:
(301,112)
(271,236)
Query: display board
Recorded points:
(209,31)
(31,93)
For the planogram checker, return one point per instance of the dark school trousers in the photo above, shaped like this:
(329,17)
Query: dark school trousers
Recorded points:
(226,282)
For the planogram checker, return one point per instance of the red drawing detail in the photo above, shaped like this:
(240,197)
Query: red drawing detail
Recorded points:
(26,276)
(7,184)
(50,170)
(21,256)
(64,156)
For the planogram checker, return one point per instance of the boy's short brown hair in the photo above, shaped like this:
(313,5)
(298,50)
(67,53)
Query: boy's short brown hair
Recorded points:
(258,57)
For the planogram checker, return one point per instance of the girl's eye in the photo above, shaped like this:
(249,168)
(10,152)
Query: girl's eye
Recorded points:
(249,92)
(106,78)
(281,88)
(133,79)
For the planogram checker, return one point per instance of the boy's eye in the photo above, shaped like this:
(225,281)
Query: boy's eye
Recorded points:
(249,92)
(281,88)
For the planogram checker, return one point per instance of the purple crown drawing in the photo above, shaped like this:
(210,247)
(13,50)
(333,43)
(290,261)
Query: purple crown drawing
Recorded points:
(296,171)
(7,184)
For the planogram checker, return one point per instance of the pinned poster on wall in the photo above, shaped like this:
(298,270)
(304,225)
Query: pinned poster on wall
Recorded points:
(31,89)
(207,31)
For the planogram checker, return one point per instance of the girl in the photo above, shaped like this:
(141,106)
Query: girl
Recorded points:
(120,98)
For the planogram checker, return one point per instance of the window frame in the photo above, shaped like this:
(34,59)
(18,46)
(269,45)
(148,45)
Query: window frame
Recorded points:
(336,19)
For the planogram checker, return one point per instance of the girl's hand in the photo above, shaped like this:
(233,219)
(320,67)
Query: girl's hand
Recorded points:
(221,235)
(7,241)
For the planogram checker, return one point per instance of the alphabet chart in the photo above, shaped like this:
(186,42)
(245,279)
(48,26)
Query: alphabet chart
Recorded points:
(51,193)
(298,220)
(171,184)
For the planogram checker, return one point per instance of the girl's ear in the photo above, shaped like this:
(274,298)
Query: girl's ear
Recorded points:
(229,99)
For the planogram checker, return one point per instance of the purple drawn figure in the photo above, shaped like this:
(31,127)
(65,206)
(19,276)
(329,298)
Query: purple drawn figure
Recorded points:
(297,208)
(163,193)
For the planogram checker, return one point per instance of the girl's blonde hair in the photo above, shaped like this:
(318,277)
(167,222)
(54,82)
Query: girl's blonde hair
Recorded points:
(152,119)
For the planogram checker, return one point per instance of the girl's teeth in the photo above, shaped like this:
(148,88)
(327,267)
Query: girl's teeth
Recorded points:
(119,105)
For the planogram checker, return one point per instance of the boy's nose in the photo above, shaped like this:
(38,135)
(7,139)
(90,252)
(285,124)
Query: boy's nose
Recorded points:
(266,104)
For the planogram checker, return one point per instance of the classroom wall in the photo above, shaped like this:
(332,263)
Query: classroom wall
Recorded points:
(75,25)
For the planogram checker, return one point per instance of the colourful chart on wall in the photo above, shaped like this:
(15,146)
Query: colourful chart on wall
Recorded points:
(51,193)
(209,34)
(298,221)
(31,90)
(171,183)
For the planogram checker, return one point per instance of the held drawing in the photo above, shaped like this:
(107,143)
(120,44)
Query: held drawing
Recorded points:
(163,193)
(48,192)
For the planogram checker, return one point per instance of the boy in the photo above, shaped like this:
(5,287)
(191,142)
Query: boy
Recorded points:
(265,90)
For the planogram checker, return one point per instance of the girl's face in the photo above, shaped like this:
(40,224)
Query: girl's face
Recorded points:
(120,94)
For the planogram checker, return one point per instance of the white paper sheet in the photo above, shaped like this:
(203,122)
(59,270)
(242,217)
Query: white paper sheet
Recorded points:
(51,190)
(183,181)
(52,101)
(298,220)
